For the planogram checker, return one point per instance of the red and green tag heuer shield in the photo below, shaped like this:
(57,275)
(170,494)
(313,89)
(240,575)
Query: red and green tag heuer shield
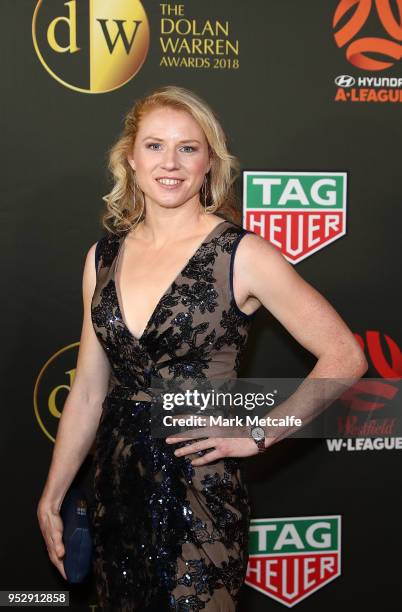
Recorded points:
(291,558)
(297,212)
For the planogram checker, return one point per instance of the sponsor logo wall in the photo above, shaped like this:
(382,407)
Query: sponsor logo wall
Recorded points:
(308,94)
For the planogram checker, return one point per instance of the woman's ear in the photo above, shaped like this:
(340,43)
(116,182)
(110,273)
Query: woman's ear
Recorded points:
(131,162)
(209,164)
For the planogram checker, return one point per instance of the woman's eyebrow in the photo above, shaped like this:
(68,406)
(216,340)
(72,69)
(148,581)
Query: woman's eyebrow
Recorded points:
(160,139)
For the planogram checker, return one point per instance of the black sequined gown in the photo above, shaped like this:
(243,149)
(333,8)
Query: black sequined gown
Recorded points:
(168,535)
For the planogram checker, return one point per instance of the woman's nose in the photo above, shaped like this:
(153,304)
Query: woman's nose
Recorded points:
(170,159)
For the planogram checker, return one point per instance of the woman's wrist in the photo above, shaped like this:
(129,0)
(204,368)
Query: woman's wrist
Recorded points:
(52,501)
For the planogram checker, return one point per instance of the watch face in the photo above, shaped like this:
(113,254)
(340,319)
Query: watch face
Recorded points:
(258,433)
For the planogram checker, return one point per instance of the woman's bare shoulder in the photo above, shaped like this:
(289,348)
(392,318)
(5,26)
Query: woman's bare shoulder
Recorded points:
(252,245)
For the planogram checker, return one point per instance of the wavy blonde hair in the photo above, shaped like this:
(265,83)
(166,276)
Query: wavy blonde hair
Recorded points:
(125,204)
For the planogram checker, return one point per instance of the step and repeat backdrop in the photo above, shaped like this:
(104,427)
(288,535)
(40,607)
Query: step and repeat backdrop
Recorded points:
(310,95)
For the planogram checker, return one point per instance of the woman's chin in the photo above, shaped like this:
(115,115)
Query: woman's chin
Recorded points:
(168,198)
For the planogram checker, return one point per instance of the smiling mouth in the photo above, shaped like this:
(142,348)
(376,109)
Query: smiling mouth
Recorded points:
(169,182)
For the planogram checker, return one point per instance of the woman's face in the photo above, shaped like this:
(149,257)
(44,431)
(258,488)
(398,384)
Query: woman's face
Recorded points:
(170,157)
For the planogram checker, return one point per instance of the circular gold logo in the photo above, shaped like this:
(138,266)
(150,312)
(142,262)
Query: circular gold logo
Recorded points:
(92,46)
(52,388)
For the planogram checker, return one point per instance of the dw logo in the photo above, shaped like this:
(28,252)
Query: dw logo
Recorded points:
(52,387)
(91,46)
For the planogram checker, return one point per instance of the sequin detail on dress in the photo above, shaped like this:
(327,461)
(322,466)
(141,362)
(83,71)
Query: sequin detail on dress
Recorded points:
(168,536)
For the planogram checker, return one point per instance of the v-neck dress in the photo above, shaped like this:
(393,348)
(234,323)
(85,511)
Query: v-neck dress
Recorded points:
(167,535)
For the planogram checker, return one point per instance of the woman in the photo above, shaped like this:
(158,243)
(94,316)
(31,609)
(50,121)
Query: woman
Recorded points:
(165,296)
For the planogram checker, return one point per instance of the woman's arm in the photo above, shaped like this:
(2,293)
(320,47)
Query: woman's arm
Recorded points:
(78,423)
(262,272)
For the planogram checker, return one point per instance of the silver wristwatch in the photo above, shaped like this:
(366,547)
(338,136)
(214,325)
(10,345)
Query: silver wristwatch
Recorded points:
(258,435)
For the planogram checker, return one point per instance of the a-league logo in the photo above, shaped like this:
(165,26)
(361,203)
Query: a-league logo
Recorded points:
(358,43)
(91,46)
(290,558)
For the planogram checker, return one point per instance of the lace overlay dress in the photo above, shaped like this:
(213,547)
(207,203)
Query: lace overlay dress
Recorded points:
(167,535)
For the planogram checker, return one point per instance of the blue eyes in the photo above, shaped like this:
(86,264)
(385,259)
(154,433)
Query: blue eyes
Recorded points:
(156,144)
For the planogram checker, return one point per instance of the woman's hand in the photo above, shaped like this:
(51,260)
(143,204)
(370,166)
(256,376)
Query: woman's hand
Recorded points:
(222,447)
(51,527)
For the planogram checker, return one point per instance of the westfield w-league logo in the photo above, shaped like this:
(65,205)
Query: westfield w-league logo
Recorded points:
(91,46)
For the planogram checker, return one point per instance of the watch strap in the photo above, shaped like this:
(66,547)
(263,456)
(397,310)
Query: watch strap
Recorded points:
(260,443)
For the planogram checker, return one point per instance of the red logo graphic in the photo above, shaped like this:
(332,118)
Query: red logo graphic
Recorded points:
(387,368)
(356,50)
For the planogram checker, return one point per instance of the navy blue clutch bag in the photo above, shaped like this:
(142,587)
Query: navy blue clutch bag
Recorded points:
(77,537)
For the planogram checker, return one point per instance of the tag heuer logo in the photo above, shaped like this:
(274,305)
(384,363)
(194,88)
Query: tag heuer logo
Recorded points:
(298,212)
(290,558)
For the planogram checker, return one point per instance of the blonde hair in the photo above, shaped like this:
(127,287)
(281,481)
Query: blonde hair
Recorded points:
(125,205)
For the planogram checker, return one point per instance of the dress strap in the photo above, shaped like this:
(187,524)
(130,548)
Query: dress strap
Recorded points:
(241,233)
